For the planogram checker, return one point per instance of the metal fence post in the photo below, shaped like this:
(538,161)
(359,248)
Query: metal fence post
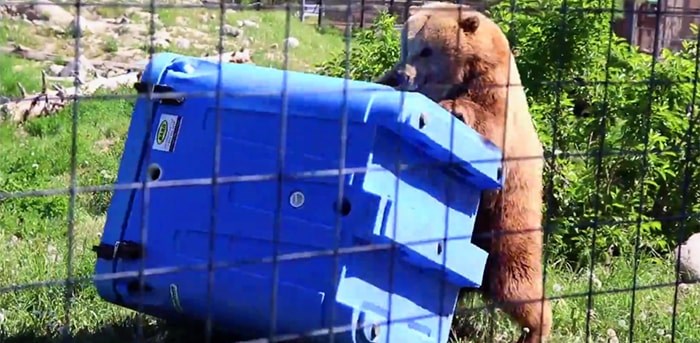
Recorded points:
(320,13)
(362,13)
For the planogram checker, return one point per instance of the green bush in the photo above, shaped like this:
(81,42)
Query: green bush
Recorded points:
(569,59)
(372,51)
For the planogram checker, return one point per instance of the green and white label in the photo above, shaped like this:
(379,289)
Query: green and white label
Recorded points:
(166,132)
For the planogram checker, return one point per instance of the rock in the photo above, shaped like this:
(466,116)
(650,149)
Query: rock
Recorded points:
(201,47)
(45,11)
(113,72)
(132,30)
(77,28)
(127,55)
(162,35)
(55,69)
(131,11)
(291,42)
(231,31)
(161,43)
(34,16)
(181,21)
(55,13)
(57,29)
(182,43)
(143,16)
(83,66)
(689,258)
(247,23)
(241,56)
(194,34)
(52,253)
(161,40)
(122,20)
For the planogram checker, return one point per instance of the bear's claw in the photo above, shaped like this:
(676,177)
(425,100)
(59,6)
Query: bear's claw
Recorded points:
(523,335)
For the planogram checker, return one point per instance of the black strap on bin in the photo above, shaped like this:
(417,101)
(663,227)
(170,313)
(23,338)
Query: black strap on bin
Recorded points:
(144,87)
(126,250)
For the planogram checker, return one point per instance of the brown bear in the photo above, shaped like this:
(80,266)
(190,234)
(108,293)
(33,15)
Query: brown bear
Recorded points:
(460,58)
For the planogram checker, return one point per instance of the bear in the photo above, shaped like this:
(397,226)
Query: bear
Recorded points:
(461,59)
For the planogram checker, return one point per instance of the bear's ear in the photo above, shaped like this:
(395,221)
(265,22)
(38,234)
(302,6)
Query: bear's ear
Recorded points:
(469,23)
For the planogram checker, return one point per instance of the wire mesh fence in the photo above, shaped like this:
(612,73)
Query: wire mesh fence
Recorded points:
(275,227)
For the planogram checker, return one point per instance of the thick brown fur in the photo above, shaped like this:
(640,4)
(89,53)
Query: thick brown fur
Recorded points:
(461,59)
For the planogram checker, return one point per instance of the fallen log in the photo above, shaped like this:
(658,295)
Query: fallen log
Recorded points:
(47,102)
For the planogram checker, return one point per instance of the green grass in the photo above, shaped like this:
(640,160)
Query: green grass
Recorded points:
(15,31)
(110,11)
(33,234)
(19,72)
(612,305)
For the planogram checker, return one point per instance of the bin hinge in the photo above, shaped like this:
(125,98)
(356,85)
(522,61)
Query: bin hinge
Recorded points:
(126,250)
(144,87)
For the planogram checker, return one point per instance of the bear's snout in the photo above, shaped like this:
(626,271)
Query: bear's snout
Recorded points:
(406,76)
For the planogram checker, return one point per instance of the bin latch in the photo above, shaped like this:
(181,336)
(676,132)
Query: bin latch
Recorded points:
(175,100)
(126,250)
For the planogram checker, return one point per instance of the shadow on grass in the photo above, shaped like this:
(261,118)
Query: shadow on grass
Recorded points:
(128,331)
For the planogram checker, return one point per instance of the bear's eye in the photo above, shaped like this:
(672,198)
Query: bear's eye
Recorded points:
(426,52)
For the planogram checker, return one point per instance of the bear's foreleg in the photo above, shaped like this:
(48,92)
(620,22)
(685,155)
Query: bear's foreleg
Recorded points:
(465,110)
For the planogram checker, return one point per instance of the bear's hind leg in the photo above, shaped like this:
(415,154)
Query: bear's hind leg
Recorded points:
(516,286)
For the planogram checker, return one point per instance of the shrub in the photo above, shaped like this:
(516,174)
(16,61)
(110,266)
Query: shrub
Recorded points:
(372,51)
(617,137)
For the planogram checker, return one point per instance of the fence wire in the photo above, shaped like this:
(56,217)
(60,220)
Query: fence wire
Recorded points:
(350,15)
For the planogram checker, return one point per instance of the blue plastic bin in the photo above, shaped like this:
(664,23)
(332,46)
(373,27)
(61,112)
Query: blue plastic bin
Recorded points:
(427,208)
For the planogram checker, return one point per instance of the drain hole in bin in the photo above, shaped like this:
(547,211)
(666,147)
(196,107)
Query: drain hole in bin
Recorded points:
(344,207)
(154,172)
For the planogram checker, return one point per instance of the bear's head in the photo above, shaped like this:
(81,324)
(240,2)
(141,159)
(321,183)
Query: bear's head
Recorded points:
(447,47)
